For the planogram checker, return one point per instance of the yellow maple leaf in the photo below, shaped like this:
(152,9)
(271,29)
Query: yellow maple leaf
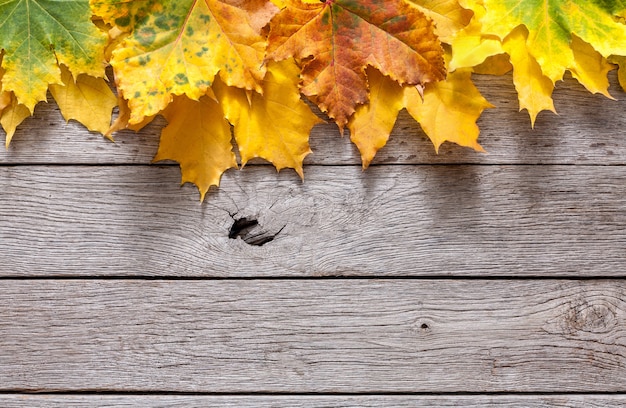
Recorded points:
(470,46)
(121,121)
(498,64)
(12,115)
(534,90)
(589,67)
(198,138)
(177,47)
(5,97)
(274,126)
(372,123)
(449,109)
(87,99)
(446,110)
(449,16)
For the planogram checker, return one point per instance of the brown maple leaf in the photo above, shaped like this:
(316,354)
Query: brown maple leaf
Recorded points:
(335,40)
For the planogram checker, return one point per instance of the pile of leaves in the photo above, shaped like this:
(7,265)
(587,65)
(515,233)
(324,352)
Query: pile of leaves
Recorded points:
(223,69)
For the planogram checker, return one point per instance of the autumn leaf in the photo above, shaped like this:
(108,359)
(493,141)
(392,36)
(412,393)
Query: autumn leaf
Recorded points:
(335,40)
(449,16)
(121,121)
(534,89)
(446,110)
(470,46)
(449,109)
(551,25)
(590,68)
(12,115)
(87,99)
(198,138)
(5,97)
(274,126)
(372,123)
(37,36)
(177,47)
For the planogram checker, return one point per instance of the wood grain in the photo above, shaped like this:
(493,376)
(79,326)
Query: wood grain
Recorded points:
(321,336)
(388,221)
(306,401)
(588,130)
(543,203)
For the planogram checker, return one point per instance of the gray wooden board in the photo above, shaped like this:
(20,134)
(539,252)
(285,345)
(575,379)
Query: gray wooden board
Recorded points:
(460,220)
(304,336)
(589,129)
(151,401)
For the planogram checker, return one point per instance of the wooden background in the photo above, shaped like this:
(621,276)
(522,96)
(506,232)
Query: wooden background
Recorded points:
(462,279)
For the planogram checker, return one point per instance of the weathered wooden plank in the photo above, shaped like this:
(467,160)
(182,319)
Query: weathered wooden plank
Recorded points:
(303,336)
(589,129)
(389,221)
(307,401)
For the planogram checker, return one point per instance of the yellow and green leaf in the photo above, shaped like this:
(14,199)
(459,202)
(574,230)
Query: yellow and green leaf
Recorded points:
(37,36)
(551,24)
(177,47)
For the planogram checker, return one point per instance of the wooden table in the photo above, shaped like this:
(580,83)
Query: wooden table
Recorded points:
(458,279)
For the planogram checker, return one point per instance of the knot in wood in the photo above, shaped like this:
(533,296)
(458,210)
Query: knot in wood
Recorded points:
(251,232)
(591,316)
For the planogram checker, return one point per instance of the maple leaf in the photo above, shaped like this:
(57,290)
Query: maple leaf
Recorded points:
(534,89)
(470,46)
(87,99)
(542,41)
(274,126)
(449,16)
(372,123)
(590,68)
(121,121)
(12,116)
(551,24)
(37,36)
(447,111)
(177,47)
(12,113)
(335,40)
(198,138)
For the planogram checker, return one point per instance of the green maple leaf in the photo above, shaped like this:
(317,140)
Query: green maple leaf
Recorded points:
(551,24)
(38,35)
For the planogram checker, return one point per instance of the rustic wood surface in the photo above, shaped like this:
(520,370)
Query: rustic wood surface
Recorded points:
(151,401)
(391,221)
(313,336)
(458,279)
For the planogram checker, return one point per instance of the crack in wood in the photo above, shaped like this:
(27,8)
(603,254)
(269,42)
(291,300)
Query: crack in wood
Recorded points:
(251,232)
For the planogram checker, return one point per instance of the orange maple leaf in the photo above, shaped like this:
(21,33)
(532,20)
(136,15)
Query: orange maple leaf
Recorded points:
(335,40)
